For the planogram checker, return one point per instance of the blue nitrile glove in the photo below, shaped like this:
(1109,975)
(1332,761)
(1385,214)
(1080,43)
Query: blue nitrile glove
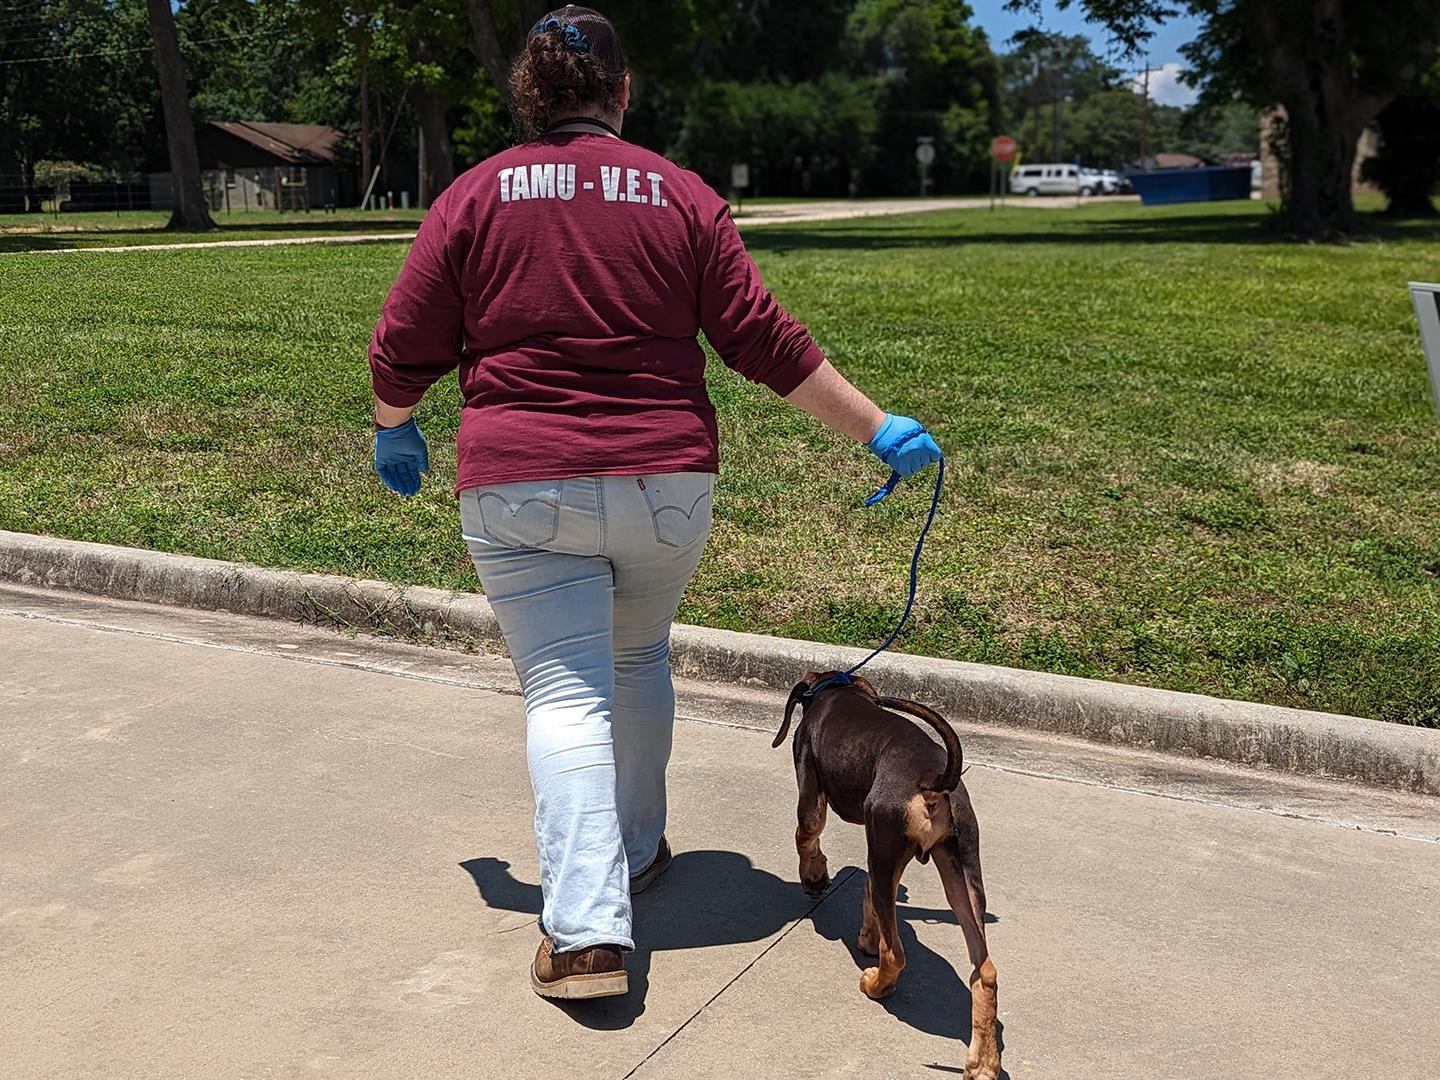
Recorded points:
(401,456)
(904,445)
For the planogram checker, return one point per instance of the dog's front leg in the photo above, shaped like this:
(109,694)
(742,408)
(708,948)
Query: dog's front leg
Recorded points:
(889,853)
(814,871)
(960,874)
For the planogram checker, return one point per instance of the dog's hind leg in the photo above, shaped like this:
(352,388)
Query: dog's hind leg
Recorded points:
(890,851)
(814,871)
(958,860)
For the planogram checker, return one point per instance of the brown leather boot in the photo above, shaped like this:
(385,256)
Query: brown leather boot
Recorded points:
(598,971)
(642,881)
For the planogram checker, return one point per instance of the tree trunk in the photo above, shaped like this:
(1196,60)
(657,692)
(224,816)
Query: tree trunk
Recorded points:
(488,45)
(1407,166)
(439,151)
(485,43)
(190,213)
(1325,113)
(531,12)
(363,49)
(438,167)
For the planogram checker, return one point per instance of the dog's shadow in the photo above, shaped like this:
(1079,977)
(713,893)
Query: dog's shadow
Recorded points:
(711,898)
(931,996)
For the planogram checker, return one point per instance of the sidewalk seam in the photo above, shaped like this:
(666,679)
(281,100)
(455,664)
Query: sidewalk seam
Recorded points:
(834,888)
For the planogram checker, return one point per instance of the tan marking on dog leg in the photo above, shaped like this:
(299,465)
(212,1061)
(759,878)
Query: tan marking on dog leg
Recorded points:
(878,982)
(869,940)
(814,870)
(983,1060)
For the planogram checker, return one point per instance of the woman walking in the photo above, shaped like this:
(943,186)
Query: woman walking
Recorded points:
(567,278)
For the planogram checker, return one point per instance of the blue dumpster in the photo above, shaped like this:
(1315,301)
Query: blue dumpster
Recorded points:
(1209,184)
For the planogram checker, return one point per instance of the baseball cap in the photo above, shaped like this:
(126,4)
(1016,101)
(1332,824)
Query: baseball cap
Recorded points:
(586,30)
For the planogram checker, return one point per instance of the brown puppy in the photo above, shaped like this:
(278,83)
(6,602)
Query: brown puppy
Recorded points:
(881,771)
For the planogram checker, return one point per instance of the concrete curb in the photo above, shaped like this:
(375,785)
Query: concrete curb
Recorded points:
(1322,744)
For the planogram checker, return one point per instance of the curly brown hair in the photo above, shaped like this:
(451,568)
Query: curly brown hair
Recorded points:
(550,79)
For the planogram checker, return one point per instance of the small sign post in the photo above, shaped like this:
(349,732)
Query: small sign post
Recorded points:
(1002,151)
(739,180)
(925,155)
(1426,299)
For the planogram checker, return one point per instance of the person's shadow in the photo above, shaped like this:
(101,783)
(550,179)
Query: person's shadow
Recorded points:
(719,898)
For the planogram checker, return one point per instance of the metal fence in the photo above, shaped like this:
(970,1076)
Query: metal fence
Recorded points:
(18,197)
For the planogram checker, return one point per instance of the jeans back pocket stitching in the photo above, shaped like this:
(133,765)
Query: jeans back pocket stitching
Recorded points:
(655,512)
(514,514)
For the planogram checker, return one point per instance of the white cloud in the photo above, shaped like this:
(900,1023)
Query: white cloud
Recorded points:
(1166,87)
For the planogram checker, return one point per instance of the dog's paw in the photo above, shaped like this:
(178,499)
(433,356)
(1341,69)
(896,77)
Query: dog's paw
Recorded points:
(871,987)
(815,887)
(868,942)
(983,1060)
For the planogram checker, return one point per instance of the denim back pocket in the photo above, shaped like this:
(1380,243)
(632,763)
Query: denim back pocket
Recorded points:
(520,515)
(679,506)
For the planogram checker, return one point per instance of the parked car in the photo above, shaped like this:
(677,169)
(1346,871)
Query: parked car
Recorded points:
(1094,179)
(1056,179)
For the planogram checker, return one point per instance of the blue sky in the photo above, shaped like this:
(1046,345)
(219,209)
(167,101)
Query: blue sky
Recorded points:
(1163,52)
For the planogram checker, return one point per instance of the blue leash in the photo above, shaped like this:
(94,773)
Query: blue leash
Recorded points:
(843,678)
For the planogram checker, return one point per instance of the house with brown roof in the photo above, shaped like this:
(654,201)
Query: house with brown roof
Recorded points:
(257,165)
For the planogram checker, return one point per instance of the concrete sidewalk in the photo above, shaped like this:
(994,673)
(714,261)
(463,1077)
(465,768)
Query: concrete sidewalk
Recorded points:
(839,209)
(231,847)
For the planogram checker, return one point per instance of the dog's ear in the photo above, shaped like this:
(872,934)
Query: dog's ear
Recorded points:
(796,696)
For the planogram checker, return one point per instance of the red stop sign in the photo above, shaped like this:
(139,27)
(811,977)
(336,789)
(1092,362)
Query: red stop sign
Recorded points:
(1003,148)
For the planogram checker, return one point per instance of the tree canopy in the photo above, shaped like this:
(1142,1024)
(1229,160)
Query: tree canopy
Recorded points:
(1329,66)
(816,96)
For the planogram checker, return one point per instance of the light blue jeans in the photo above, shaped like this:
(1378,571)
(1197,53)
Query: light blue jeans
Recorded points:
(584,576)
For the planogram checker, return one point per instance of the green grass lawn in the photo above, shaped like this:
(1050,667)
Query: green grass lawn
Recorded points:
(1181,453)
(43,232)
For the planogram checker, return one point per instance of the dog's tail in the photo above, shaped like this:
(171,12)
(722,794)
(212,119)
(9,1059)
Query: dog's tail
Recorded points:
(796,696)
(954,758)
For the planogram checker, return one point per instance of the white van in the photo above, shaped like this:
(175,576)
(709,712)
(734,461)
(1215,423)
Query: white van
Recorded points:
(1054,179)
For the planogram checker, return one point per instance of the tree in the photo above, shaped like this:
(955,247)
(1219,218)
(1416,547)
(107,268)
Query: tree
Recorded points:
(1332,65)
(190,212)
(1045,79)
(1407,166)
(935,76)
(496,51)
(76,84)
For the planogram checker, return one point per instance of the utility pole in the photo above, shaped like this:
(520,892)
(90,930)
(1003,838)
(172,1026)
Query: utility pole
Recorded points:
(1035,103)
(1056,123)
(1145,119)
(363,48)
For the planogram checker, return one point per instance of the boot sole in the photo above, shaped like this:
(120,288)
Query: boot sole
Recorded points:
(647,877)
(600,984)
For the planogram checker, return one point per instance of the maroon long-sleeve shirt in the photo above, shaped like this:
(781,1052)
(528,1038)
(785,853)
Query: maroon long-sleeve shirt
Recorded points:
(568,278)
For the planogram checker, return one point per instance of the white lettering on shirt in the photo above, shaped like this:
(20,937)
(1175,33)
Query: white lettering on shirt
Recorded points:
(610,182)
(552,180)
(520,184)
(632,186)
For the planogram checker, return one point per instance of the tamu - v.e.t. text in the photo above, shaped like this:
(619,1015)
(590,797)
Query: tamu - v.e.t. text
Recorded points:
(556,180)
